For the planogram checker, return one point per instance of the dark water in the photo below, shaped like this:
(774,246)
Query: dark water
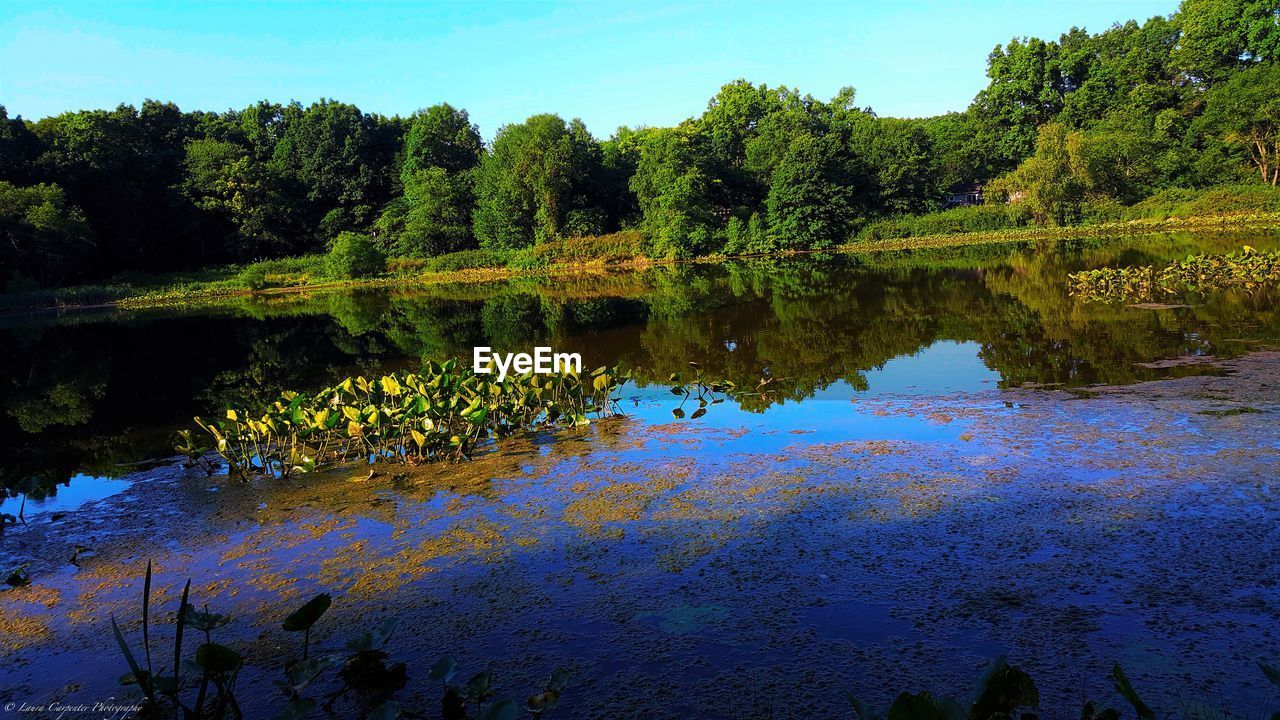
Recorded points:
(88,396)
(904,504)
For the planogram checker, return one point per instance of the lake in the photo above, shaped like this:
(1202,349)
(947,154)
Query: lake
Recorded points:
(954,460)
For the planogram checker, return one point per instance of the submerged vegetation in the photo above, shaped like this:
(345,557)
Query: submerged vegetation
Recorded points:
(202,685)
(442,412)
(1246,270)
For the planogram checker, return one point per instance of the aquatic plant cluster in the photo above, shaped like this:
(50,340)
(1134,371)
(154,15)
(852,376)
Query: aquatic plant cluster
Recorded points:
(439,413)
(1246,270)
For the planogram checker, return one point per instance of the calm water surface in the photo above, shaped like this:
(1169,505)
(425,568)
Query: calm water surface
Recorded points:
(88,396)
(910,499)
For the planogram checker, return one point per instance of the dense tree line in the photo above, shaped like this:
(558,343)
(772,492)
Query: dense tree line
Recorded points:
(1189,100)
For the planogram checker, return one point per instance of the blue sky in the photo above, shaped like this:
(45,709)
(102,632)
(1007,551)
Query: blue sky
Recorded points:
(608,63)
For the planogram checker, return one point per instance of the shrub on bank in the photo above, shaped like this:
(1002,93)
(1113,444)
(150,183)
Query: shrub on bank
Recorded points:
(354,256)
(612,249)
(976,218)
(467,260)
(1184,203)
(279,272)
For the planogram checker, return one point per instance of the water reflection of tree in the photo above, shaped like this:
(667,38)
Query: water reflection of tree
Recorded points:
(98,394)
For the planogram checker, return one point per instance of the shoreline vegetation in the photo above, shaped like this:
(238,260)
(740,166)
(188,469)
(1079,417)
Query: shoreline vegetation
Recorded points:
(574,256)
(1176,116)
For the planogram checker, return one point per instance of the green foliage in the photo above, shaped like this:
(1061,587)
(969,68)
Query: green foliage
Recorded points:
(974,218)
(342,157)
(1247,270)
(534,175)
(43,237)
(443,137)
(902,165)
(612,249)
(409,418)
(1245,112)
(354,256)
(672,184)
(747,238)
(1078,126)
(433,217)
(1051,183)
(468,260)
(813,196)
(1184,203)
(1218,36)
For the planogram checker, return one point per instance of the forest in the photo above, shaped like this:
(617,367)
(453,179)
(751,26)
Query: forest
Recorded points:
(1066,131)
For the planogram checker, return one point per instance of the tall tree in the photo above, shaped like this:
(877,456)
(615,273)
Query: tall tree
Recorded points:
(528,182)
(1219,36)
(43,238)
(1245,112)
(672,185)
(441,136)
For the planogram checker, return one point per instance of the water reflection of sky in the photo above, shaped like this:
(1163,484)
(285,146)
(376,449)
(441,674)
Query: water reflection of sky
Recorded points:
(82,489)
(830,415)
(943,367)
(842,332)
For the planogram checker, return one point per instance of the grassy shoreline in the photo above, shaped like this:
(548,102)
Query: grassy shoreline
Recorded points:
(206,286)
(1225,221)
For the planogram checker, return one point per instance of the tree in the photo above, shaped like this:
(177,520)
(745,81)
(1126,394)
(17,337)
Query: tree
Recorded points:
(262,126)
(672,186)
(1025,91)
(434,215)
(444,137)
(1245,112)
(1051,182)
(899,156)
(111,168)
(813,199)
(19,148)
(246,196)
(344,158)
(43,237)
(530,180)
(1220,36)
(1118,162)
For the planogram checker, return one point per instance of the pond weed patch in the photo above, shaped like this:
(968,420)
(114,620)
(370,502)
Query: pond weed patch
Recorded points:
(1247,270)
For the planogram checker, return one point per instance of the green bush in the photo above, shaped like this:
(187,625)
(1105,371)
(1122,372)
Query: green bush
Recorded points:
(1103,210)
(975,218)
(278,272)
(525,259)
(1183,203)
(253,277)
(611,249)
(467,260)
(354,256)
(747,238)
